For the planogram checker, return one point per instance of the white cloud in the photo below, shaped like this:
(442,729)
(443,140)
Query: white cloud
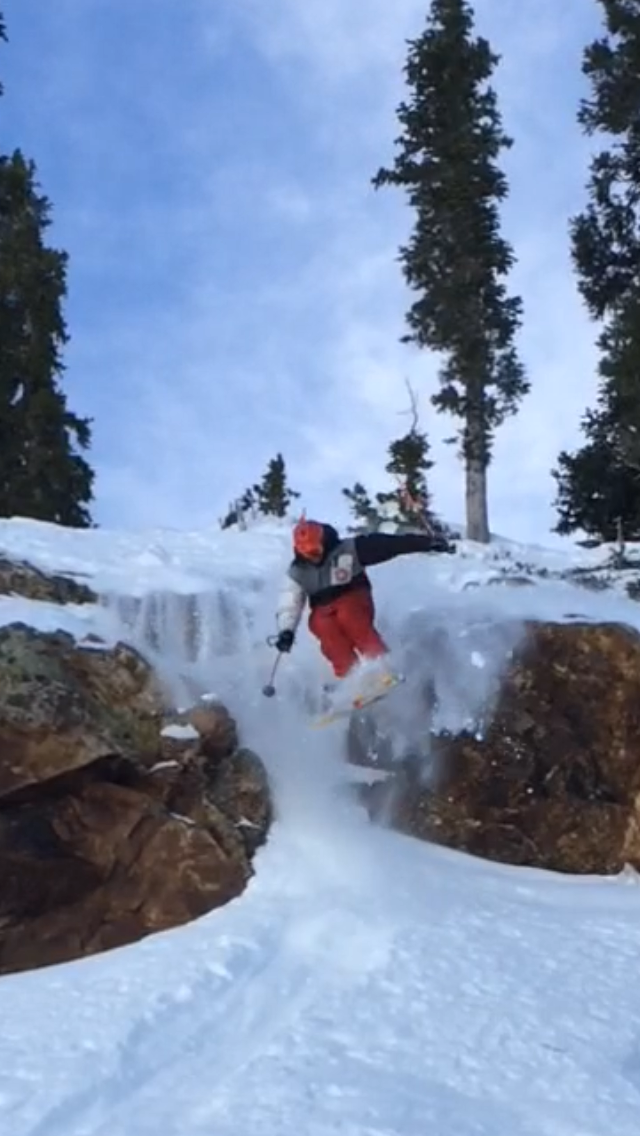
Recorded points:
(339,39)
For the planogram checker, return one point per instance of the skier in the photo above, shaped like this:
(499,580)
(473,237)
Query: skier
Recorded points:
(329,572)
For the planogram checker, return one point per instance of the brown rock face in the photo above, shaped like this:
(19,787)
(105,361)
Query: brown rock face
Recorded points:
(240,789)
(109,831)
(217,729)
(62,707)
(22,579)
(555,779)
(101,866)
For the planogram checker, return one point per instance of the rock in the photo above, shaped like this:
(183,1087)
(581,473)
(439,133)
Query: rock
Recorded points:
(184,790)
(236,787)
(22,579)
(554,781)
(175,749)
(101,867)
(62,707)
(109,830)
(204,732)
(240,789)
(216,727)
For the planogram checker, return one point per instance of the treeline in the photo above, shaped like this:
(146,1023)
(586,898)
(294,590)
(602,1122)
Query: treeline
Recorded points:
(406,503)
(456,265)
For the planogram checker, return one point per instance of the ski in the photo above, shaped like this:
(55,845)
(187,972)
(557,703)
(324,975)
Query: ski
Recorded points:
(360,701)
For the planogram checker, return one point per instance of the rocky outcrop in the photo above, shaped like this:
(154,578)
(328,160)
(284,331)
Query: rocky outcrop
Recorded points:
(110,827)
(20,578)
(62,707)
(554,779)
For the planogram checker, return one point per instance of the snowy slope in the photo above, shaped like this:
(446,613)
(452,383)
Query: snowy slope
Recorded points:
(365,984)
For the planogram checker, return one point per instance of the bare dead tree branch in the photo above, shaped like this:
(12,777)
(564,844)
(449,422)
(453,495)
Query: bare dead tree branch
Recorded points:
(413,407)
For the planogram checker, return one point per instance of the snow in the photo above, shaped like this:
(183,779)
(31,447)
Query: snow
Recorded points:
(365,984)
(179,733)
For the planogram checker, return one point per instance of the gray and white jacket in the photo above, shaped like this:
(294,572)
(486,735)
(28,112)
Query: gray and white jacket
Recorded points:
(343,569)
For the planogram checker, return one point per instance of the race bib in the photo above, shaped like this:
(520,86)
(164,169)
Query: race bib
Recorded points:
(342,570)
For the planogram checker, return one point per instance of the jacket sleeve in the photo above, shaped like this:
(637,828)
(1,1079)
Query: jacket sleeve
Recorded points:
(291,603)
(376,548)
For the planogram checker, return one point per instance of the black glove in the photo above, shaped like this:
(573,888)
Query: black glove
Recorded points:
(284,641)
(439,543)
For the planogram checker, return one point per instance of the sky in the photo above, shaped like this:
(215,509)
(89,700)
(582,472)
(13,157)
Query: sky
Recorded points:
(234,289)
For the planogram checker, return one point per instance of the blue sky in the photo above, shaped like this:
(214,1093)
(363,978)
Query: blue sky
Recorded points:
(233,283)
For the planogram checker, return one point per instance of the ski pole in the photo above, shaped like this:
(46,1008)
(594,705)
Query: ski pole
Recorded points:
(269,688)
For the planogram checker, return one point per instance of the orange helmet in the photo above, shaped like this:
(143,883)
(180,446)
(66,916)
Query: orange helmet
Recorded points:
(308,539)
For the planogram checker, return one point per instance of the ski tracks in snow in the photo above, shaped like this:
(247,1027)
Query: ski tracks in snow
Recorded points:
(179,1069)
(201,1038)
(365,985)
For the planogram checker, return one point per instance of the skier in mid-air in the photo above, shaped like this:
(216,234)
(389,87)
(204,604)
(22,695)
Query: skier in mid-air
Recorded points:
(329,572)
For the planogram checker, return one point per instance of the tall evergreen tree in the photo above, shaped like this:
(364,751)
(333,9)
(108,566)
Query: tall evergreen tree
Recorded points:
(42,473)
(599,484)
(273,495)
(456,261)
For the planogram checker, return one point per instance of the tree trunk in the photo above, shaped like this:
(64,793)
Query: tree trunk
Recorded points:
(476,501)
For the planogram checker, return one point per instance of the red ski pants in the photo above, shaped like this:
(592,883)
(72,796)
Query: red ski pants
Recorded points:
(346,630)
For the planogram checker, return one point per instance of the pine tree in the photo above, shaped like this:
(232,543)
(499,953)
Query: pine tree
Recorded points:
(456,260)
(408,503)
(273,495)
(365,513)
(42,474)
(409,464)
(599,484)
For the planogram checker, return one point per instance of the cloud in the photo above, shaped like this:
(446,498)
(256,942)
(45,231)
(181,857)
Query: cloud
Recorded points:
(234,287)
